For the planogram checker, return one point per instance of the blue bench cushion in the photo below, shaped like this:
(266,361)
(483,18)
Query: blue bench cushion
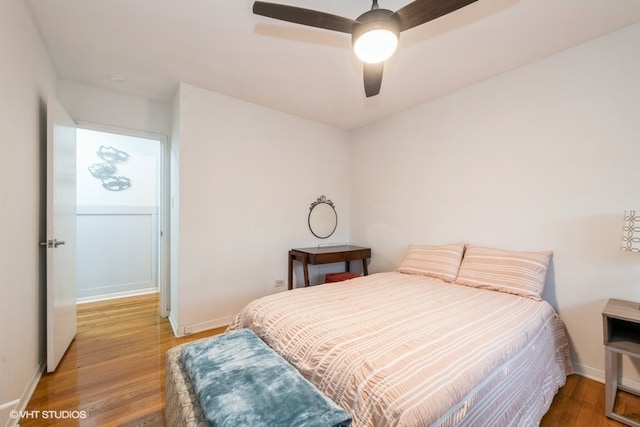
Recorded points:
(240,381)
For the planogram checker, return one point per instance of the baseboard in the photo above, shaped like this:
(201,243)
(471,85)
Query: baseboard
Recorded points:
(589,372)
(20,405)
(204,326)
(180,331)
(598,375)
(115,295)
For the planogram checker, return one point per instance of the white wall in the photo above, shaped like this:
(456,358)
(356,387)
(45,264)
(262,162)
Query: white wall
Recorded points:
(541,158)
(91,104)
(27,77)
(117,230)
(112,111)
(142,167)
(117,251)
(248,175)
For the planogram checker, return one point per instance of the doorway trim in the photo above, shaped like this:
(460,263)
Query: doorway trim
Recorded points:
(164,208)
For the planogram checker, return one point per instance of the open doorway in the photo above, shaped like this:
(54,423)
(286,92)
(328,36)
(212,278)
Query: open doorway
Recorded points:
(120,215)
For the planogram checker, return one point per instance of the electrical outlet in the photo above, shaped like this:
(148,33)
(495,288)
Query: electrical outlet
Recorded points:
(278,282)
(188,330)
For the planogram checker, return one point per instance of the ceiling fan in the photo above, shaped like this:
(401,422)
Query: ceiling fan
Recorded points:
(374,34)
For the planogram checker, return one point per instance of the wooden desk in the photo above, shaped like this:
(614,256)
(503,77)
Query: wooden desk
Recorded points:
(327,255)
(621,336)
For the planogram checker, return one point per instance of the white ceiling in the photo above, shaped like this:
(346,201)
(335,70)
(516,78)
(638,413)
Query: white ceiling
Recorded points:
(220,45)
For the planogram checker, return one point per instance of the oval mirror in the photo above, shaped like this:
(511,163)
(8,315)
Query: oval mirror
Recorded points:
(323,218)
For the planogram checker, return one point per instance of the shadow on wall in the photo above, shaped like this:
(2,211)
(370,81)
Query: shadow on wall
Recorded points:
(549,292)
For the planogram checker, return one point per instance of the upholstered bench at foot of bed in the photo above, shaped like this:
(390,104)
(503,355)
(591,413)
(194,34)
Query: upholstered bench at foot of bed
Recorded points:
(239,380)
(182,408)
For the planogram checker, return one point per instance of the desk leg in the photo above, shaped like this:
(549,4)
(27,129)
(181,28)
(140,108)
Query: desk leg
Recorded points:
(290,278)
(364,267)
(305,268)
(347,266)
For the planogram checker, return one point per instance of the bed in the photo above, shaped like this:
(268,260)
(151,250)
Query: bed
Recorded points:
(442,341)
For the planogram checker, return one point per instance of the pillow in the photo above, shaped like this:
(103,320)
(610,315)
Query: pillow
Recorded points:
(441,261)
(518,273)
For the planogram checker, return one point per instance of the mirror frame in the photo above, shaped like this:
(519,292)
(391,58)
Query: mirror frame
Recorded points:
(322,200)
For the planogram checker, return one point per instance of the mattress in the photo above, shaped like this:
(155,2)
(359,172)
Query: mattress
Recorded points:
(396,349)
(405,350)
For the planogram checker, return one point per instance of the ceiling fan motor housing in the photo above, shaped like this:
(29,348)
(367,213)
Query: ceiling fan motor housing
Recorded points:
(375,20)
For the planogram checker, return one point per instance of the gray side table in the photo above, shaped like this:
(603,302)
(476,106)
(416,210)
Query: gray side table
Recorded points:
(621,336)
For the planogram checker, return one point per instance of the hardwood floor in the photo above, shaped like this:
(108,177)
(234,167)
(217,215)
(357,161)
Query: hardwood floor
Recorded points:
(581,403)
(114,372)
(114,369)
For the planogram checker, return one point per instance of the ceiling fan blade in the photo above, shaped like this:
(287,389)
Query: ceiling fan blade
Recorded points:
(420,11)
(372,78)
(297,15)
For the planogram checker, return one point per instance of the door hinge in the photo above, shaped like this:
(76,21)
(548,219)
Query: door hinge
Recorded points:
(52,243)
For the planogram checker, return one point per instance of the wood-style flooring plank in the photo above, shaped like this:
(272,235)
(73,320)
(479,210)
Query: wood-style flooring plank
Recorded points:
(580,403)
(114,369)
(115,372)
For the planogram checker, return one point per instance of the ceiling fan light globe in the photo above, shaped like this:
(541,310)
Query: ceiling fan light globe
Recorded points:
(375,46)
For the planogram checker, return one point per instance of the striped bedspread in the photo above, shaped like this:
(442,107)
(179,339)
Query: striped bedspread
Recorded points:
(402,350)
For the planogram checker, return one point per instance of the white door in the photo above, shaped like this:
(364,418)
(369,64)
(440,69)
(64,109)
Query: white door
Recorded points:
(61,232)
